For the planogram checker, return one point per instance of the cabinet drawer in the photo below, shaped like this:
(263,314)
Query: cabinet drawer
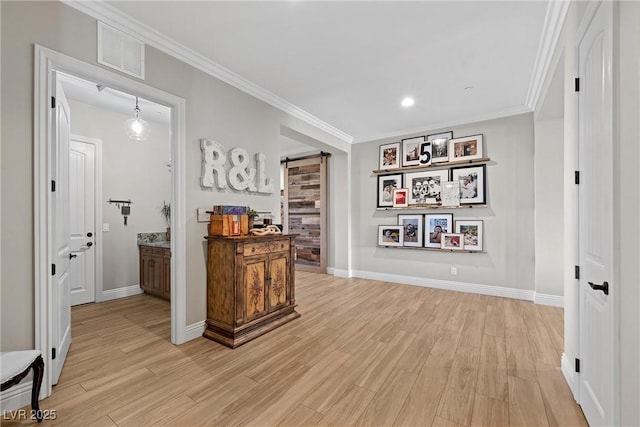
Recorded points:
(263,248)
(149,250)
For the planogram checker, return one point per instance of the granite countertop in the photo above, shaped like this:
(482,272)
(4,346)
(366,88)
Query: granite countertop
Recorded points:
(156,240)
(162,244)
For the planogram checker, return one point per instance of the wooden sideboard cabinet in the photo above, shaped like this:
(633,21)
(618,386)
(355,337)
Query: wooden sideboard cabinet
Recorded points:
(155,270)
(250,286)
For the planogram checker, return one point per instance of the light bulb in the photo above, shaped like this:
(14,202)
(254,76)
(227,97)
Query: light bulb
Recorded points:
(136,128)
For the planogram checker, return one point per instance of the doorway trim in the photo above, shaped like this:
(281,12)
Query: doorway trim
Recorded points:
(46,60)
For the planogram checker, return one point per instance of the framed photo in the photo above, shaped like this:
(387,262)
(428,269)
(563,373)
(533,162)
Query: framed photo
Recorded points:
(435,226)
(466,148)
(400,198)
(413,232)
(411,151)
(472,233)
(424,187)
(390,235)
(386,185)
(450,193)
(452,241)
(390,156)
(472,183)
(440,146)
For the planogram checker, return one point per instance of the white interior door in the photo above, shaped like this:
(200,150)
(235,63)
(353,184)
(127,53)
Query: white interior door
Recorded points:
(61,283)
(597,288)
(82,176)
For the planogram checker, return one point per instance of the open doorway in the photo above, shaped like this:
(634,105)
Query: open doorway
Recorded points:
(120,193)
(52,253)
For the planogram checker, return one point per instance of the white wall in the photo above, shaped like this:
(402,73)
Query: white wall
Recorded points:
(549,212)
(131,170)
(628,201)
(508,261)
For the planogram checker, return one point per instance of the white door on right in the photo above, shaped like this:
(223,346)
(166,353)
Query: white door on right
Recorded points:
(82,182)
(597,286)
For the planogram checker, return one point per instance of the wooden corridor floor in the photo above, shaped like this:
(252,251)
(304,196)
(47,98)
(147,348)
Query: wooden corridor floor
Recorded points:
(363,353)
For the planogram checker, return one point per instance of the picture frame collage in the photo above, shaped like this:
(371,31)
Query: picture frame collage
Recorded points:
(455,186)
(429,150)
(458,185)
(436,231)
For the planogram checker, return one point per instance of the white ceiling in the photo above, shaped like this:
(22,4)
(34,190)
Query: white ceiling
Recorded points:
(114,100)
(349,64)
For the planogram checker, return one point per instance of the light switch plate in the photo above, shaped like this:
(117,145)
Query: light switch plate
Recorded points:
(105,227)
(203,216)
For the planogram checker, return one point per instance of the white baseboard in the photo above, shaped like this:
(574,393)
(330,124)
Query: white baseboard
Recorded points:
(473,288)
(120,293)
(552,300)
(195,330)
(16,397)
(340,273)
(568,370)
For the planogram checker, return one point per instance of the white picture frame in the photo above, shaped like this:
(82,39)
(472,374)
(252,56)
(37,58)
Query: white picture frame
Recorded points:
(390,235)
(413,226)
(472,231)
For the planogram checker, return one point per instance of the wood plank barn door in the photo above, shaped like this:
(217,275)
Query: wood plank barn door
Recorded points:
(305,210)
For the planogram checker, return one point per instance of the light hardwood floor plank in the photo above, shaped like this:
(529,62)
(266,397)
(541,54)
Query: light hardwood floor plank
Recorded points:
(385,406)
(526,407)
(349,407)
(490,412)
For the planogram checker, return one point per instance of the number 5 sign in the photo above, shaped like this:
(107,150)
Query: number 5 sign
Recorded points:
(425,153)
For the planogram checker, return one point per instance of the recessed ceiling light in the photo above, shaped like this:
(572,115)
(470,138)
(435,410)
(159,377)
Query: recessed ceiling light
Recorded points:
(407,102)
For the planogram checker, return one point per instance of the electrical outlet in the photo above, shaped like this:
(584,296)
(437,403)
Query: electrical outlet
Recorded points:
(453,271)
(203,216)
(105,227)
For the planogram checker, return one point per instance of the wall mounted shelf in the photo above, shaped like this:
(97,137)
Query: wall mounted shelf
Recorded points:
(430,249)
(427,207)
(432,166)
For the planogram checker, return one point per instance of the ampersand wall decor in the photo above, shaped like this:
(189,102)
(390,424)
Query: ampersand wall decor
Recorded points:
(242,176)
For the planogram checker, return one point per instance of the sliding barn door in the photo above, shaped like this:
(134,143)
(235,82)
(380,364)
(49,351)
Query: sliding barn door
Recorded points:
(305,210)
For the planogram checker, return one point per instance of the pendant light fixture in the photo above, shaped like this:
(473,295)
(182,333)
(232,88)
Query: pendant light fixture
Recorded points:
(136,128)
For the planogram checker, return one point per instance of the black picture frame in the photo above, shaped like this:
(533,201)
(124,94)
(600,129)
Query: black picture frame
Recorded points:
(440,146)
(386,185)
(473,191)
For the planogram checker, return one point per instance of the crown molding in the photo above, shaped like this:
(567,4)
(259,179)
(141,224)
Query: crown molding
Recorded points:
(553,22)
(429,127)
(109,15)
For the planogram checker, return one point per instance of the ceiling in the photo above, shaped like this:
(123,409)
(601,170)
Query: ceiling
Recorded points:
(113,100)
(349,64)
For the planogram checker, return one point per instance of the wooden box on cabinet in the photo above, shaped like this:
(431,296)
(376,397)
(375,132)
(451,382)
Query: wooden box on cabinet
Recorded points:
(250,286)
(155,270)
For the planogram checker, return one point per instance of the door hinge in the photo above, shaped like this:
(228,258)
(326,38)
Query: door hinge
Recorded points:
(577,84)
(577,365)
(576,177)
(53,186)
(53,269)
(576,271)
(53,353)
(53,102)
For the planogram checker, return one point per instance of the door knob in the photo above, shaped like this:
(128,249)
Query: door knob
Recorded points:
(89,244)
(604,287)
(71,256)
(89,234)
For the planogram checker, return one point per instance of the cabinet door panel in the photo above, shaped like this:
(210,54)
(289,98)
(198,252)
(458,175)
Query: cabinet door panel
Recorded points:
(255,287)
(278,271)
